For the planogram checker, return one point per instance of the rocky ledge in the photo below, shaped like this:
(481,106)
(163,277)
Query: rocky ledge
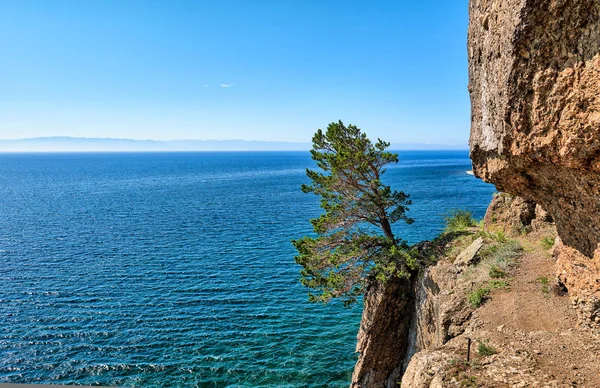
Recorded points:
(494,286)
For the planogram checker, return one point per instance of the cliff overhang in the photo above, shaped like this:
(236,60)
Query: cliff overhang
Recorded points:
(534,81)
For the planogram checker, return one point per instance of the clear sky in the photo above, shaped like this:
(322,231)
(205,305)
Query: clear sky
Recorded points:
(224,69)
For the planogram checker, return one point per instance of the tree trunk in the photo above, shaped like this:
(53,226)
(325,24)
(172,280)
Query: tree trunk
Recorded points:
(387,228)
(383,334)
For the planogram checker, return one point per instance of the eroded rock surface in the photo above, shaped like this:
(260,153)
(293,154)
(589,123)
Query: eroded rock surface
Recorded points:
(578,272)
(383,334)
(529,331)
(442,310)
(469,255)
(534,69)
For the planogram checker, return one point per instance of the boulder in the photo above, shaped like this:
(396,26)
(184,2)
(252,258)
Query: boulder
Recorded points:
(469,255)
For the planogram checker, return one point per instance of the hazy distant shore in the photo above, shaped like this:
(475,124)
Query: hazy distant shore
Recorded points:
(76,144)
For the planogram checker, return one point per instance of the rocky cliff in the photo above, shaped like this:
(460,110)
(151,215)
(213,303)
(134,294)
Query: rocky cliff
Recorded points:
(534,80)
(493,288)
(382,337)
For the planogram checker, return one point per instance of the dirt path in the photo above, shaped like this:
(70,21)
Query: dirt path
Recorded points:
(535,332)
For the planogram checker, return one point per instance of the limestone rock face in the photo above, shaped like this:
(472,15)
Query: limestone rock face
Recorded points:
(383,334)
(423,371)
(534,70)
(515,215)
(441,309)
(509,212)
(577,272)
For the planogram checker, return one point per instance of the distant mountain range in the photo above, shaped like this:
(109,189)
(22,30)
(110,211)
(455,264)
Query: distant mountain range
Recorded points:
(81,144)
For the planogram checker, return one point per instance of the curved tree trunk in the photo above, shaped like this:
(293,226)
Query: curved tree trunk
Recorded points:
(383,334)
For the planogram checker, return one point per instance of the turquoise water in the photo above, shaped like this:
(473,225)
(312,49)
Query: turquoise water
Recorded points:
(177,269)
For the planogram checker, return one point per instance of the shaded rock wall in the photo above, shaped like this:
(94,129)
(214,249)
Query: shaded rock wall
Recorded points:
(534,71)
(383,334)
(515,215)
(577,272)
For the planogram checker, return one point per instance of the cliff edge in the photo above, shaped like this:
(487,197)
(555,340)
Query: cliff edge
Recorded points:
(534,81)
(493,288)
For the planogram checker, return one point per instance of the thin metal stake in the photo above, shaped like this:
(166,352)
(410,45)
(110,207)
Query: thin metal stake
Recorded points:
(468,349)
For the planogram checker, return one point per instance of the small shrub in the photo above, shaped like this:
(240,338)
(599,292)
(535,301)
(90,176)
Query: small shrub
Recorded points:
(545,282)
(488,252)
(459,220)
(498,284)
(477,297)
(506,252)
(467,380)
(522,229)
(459,370)
(496,273)
(545,289)
(500,237)
(547,242)
(497,236)
(485,349)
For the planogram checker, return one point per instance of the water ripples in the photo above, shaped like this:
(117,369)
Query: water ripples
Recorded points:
(177,269)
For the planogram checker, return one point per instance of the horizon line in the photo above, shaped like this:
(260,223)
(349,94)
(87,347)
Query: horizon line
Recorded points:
(3,152)
(58,137)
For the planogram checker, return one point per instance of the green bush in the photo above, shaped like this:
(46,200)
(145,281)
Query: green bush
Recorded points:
(505,252)
(500,237)
(477,297)
(496,273)
(485,349)
(467,380)
(498,284)
(545,282)
(495,236)
(459,221)
(547,242)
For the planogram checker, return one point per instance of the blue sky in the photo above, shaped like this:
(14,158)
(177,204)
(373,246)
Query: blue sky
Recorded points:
(255,69)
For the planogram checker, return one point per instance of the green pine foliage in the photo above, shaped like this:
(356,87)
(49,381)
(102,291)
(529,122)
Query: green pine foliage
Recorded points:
(355,242)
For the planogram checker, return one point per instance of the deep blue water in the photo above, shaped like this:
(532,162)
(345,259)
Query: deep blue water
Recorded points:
(177,269)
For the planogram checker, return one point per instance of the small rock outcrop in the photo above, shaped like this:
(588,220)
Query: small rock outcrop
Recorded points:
(515,214)
(424,372)
(578,272)
(534,81)
(441,309)
(469,255)
(403,317)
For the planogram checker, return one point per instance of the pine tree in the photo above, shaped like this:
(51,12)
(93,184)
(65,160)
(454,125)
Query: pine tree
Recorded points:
(355,243)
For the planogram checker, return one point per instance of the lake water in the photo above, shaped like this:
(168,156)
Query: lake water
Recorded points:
(176,269)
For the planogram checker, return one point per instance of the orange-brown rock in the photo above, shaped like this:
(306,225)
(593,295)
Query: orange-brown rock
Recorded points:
(534,69)
(515,215)
(383,335)
(578,272)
